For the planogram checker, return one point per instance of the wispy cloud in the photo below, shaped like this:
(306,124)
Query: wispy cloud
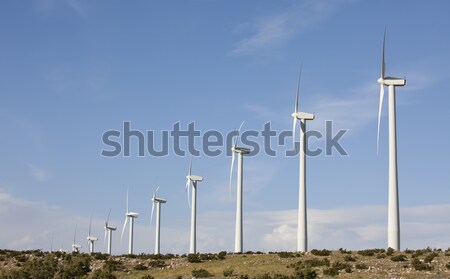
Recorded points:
(275,29)
(38,174)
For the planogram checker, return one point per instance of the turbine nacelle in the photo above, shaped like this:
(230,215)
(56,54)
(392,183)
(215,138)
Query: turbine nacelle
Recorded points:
(392,81)
(110,228)
(241,150)
(303,115)
(160,200)
(92,238)
(132,214)
(195,178)
(76,246)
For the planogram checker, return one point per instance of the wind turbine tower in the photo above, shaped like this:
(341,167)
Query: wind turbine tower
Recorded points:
(131,216)
(393,209)
(158,202)
(91,239)
(302,117)
(108,235)
(241,151)
(193,179)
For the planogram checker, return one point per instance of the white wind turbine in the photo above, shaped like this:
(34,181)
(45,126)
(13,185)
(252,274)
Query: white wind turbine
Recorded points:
(241,151)
(302,117)
(61,247)
(393,210)
(90,238)
(108,234)
(75,247)
(129,215)
(193,179)
(158,202)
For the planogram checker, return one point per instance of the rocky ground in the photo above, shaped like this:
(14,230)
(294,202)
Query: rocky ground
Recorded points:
(374,263)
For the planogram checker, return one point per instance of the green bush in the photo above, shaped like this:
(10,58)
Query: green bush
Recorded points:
(418,265)
(331,271)
(104,273)
(381,256)
(429,258)
(201,273)
(286,255)
(323,252)
(341,266)
(140,267)
(194,258)
(344,251)
(370,252)
(361,266)
(147,276)
(349,258)
(399,258)
(447,265)
(227,272)
(390,251)
(306,273)
(157,264)
(315,262)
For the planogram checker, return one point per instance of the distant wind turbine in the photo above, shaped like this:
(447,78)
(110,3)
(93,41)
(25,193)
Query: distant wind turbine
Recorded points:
(302,117)
(129,215)
(90,238)
(241,151)
(61,247)
(158,202)
(393,210)
(193,179)
(75,247)
(108,234)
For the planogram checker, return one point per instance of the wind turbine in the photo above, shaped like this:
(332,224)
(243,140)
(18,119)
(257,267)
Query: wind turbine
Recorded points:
(302,117)
(241,151)
(75,247)
(108,234)
(393,210)
(129,215)
(61,247)
(193,179)
(158,202)
(91,239)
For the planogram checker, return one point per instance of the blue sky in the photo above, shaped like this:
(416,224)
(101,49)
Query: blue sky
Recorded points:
(71,70)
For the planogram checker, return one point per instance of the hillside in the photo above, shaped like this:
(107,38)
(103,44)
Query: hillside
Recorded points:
(374,263)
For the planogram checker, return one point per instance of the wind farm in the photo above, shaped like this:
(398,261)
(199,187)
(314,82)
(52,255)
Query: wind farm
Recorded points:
(244,139)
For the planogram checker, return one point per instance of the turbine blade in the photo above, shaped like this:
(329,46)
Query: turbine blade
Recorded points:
(75,234)
(188,186)
(128,209)
(298,88)
(294,130)
(231,171)
(239,133)
(379,114)
(104,239)
(151,215)
(107,218)
(90,223)
(123,229)
(383,66)
(190,167)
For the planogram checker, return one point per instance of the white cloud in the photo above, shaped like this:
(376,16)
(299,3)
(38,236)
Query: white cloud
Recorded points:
(39,174)
(30,225)
(272,30)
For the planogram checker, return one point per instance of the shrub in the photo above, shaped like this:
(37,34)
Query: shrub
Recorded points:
(221,255)
(361,266)
(103,273)
(140,267)
(201,273)
(341,266)
(316,262)
(286,255)
(227,272)
(323,252)
(399,258)
(245,276)
(370,252)
(157,264)
(147,276)
(430,257)
(349,258)
(418,265)
(306,273)
(447,265)
(390,251)
(344,251)
(381,256)
(331,271)
(194,258)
